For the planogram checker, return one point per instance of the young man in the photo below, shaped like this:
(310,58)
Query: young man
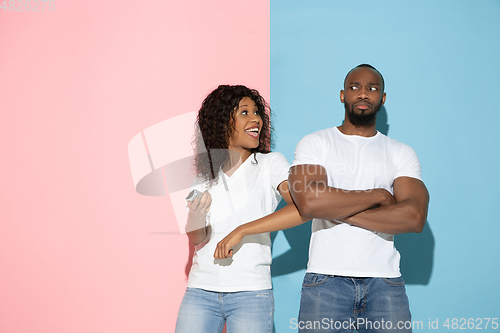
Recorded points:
(361,188)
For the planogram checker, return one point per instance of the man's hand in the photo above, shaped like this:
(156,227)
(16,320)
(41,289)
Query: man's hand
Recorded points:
(387,197)
(224,247)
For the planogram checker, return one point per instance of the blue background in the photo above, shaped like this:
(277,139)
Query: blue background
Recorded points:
(440,61)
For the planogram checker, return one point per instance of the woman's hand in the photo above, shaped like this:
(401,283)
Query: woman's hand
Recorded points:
(224,247)
(196,223)
(199,207)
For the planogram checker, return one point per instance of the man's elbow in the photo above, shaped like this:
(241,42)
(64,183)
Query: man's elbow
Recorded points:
(305,211)
(418,221)
(304,204)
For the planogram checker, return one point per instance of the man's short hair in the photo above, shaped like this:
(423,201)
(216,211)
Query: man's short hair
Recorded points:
(367,66)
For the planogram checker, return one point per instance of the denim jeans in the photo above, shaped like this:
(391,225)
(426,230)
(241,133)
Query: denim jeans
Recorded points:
(204,311)
(340,304)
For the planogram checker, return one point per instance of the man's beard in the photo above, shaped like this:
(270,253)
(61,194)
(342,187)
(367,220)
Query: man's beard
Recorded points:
(364,118)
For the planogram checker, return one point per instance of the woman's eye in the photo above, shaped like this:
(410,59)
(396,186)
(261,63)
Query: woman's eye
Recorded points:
(244,112)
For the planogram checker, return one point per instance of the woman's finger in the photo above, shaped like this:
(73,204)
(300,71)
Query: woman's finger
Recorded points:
(205,202)
(217,252)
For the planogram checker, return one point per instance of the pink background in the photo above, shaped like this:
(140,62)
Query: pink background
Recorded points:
(80,250)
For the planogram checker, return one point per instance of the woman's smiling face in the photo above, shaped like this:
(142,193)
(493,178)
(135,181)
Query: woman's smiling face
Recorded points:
(247,126)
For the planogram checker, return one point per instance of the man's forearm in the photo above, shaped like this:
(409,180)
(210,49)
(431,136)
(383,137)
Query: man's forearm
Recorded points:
(325,202)
(396,219)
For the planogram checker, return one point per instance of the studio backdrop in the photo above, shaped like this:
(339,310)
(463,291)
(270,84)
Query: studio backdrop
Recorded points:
(98,103)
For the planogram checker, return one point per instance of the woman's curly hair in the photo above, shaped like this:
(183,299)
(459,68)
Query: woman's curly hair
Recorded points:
(216,125)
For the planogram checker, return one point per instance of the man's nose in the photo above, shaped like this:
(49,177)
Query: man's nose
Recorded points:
(363,93)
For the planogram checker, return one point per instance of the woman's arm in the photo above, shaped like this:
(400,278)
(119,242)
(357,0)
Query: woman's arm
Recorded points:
(196,228)
(285,218)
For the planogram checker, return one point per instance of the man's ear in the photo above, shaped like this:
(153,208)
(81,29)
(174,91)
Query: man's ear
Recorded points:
(342,96)
(383,99)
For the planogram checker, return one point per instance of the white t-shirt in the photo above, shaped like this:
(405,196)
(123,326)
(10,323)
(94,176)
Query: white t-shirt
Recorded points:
(355,163)
(249,194)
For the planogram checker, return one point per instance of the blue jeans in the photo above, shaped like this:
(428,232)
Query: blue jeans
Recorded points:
(204,311)
(341,304)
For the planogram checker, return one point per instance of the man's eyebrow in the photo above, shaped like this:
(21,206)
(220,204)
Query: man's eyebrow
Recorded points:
(370,83)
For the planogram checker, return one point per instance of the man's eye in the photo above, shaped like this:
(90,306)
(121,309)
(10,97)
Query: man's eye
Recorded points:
(373,88)
(354,88)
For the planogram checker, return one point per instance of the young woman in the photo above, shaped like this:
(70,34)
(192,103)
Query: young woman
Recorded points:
(241,181)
